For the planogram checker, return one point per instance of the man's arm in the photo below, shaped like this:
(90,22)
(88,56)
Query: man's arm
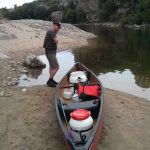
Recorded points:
(56,39)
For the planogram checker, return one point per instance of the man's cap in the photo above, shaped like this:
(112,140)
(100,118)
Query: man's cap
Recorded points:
(57,23)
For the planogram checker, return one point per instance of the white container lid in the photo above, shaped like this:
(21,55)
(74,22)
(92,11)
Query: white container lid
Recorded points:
(77,73)
(77,76)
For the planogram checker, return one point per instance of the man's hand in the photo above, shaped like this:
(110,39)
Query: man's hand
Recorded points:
(56,40)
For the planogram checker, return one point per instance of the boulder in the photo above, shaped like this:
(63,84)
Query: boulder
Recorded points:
(33,61)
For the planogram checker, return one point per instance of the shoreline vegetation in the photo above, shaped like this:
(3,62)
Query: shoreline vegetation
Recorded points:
(127,12)
(27,114)
(116,25)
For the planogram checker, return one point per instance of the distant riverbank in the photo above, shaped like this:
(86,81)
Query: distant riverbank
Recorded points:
(115,25)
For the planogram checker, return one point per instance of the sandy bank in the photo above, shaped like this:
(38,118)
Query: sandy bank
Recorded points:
(28,120)
(26,36)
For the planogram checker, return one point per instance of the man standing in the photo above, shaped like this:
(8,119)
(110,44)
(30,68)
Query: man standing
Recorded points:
(50,45)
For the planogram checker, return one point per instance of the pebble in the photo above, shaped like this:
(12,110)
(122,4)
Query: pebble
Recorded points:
(2,93)
(24,90)
(12,62)
(13,69)
(4,81)
(14,65)
(19,76)
(24,71)
(8,95)
(19,63)
(118,116)
(14,83)
(14,79)
(9,83)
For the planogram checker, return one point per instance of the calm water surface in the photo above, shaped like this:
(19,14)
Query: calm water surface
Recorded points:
(119,57)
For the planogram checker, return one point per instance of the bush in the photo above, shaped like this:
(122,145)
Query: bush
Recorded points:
(53,7)
(81,15)
(4,13)
(41,12)
(107,10)
(70,16)
(103,15)
(146,16)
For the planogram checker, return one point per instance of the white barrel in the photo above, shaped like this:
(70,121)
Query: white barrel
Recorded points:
(81,124)
(77,76)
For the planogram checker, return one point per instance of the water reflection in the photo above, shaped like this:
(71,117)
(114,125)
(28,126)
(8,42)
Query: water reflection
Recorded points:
(119,57)
(40,77)
(119,49)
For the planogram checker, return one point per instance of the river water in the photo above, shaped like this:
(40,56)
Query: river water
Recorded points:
(119,57)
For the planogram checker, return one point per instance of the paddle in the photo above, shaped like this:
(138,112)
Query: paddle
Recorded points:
(66,122)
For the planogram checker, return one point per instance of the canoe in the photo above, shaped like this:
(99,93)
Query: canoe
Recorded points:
(64,107)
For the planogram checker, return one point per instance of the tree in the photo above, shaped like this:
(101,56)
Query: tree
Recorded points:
(107,9)
(80,15)
(53,7)
(70,16)
(16,13)
(41,12)
(4,13)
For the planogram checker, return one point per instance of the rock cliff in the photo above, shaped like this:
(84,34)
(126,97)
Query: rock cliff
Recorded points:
(89,6)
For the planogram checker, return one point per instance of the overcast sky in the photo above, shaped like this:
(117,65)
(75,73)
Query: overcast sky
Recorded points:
(11,3)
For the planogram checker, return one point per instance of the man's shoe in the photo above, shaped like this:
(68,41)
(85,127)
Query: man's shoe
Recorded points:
(50,83)
(54,82)
(51,80)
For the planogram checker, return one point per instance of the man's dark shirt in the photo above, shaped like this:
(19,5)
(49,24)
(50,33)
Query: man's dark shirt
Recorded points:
(49,43)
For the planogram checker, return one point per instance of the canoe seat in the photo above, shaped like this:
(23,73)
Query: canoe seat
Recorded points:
(92,106)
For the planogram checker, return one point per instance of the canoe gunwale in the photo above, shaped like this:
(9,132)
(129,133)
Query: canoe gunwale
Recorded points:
(95,135)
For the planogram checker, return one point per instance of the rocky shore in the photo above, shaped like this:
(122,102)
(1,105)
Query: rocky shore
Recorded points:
(27,114)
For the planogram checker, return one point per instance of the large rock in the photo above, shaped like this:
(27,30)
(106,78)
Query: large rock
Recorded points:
(57,15)
(33,61)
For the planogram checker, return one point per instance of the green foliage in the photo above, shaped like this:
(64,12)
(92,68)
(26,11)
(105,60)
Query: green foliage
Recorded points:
(81,15)
(103,15)
(4,13)
(40,9)
(139,14)
(53,7)
(70,16)
(107,9)
(135,11)
(71,5)
(41,12)
(73,15)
